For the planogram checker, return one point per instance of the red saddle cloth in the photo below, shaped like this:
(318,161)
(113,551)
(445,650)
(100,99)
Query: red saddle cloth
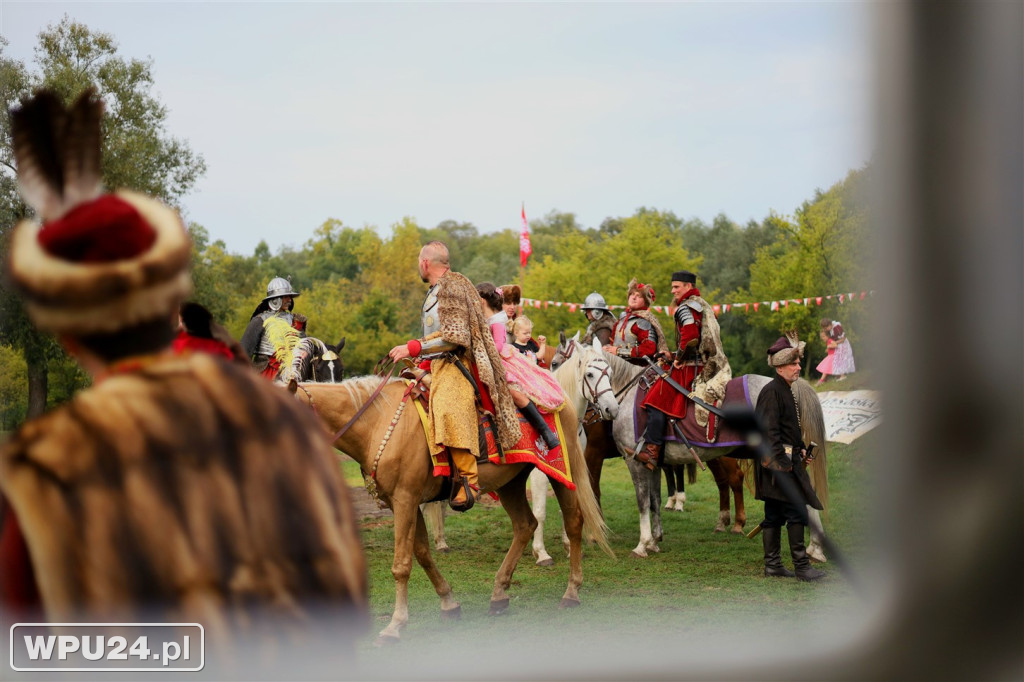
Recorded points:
(737,392)
(529,449)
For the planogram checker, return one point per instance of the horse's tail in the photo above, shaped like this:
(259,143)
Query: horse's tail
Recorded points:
(812,422)
(593,521)
(691,473)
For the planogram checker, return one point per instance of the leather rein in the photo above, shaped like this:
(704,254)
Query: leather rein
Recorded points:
(365,406)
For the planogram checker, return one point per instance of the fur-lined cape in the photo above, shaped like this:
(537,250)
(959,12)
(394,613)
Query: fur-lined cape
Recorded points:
(463,323)
(716,372)
(98,263)
(192,490)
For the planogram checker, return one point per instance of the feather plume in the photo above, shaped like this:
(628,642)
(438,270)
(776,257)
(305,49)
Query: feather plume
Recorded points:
(81,143)
(793,339)
(57,151)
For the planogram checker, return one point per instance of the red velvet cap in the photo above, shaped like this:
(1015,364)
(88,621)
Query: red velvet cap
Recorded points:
(101,231)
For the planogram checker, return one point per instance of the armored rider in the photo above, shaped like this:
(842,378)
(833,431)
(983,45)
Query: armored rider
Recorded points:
(457,339)
(601,320)
(274,330)
(699,365)
(637,333)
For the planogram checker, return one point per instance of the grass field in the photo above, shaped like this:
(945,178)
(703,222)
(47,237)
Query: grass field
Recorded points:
(697,589)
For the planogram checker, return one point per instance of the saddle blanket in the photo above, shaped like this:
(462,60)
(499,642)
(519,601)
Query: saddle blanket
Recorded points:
(530,449)
(736,393)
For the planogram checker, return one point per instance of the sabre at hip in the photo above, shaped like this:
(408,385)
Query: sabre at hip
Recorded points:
(676,385)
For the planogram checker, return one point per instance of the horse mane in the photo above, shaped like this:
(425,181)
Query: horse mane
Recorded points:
(570,374)
(622,371)
(361,388)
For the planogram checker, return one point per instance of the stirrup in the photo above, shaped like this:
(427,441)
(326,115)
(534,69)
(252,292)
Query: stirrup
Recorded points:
(462,485)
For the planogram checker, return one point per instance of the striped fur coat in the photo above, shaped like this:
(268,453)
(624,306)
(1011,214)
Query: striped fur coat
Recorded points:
(190,490)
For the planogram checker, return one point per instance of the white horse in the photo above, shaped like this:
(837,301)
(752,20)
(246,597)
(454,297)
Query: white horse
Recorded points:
(585,379)
(648,484)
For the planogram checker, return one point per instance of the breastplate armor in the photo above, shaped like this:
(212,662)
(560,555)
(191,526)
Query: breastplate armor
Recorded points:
(429,316)
(265,347)
(432,325)
(624,335)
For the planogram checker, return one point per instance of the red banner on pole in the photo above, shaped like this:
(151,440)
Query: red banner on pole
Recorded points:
(524,240)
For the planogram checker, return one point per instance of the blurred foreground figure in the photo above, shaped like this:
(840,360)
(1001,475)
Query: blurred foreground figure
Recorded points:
(180,488)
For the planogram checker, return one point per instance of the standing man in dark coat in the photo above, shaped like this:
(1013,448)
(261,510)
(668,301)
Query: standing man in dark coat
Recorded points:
(784,456)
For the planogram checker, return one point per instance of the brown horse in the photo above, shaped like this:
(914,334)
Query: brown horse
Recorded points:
(389,443)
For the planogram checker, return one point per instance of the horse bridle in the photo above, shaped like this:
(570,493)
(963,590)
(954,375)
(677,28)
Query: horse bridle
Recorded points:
(595,394)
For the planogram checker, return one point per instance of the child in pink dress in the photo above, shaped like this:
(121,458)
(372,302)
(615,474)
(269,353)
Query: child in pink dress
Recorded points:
(839,361)
(529,384)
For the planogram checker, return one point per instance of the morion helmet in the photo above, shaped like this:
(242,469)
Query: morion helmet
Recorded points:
(278,287)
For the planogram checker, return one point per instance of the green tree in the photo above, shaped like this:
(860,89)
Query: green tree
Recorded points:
(823,249)
(137,152)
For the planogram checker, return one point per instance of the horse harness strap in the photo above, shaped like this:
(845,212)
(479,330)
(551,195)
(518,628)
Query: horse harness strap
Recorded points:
(371,479)
(366,405)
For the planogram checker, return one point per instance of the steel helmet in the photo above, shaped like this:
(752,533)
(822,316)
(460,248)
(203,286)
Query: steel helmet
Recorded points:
(278,287)
(595,301)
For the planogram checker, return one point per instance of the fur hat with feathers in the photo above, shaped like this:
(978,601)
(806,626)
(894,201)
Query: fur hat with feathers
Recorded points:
(645,290)
(98,262)
(786,350)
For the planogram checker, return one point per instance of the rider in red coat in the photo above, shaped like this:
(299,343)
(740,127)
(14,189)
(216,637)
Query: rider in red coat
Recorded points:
(699,364)
(637,334)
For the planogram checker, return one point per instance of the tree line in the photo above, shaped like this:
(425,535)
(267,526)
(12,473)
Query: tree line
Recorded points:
(362,283)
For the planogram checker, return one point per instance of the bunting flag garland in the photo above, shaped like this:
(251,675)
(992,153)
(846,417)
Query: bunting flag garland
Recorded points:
(719,309)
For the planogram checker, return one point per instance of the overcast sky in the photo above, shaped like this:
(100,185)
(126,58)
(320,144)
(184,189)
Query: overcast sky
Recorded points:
(371,112)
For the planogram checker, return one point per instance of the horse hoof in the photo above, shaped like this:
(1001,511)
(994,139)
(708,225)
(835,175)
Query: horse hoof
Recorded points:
(385,640)
(443,550)
(546,562)
(498,607)
(737,530)
(452,614)
(636,555)
(719,529)
(568,603)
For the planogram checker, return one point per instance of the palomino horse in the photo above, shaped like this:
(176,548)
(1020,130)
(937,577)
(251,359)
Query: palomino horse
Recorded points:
(585,380)
(314,360)
(389,444)
(648,484)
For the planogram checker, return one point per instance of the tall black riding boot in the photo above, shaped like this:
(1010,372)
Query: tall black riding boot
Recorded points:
(772,538)
(533,416)
(801,562)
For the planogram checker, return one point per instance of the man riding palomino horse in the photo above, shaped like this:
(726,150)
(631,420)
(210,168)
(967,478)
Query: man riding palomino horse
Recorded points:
(465,365)
(699,365)
(274,330)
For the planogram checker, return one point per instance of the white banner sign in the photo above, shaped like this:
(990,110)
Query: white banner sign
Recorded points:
(850,414)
